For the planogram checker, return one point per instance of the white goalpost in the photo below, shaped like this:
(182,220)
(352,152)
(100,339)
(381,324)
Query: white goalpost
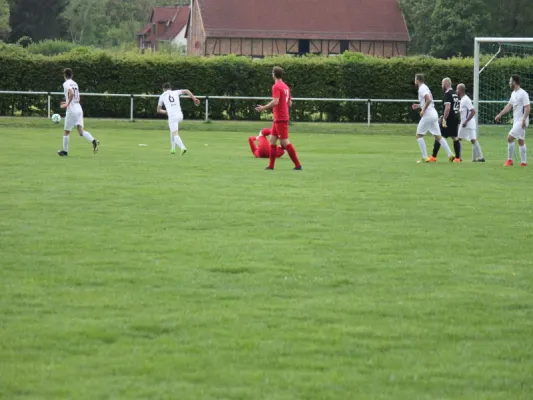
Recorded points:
(495,60)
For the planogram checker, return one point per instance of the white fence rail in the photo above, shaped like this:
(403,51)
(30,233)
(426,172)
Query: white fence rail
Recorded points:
(206,99)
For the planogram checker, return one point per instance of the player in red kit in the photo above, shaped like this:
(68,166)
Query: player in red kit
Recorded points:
(281,101)
(263,150)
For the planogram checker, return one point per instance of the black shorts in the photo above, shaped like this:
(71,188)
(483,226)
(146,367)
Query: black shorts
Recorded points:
(451,131)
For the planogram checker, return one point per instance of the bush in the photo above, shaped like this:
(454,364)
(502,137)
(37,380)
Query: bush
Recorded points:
(346,76)
(51,47)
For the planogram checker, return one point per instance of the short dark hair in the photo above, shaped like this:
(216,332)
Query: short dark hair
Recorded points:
(420,77)
(68,73)
(167,86)
(278,72)
(516,79)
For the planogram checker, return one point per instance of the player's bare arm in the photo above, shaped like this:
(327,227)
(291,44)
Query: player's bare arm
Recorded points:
(471,114)
(427,98)
(269,106)
(527,112)
(192,96)
(507,108)
(70,97)
(160,110)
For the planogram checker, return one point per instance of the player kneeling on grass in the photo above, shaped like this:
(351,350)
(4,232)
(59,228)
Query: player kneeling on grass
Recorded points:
(171,100)
(521,107)
(263,149)
(74,115)
(429,121)
(281,101)
(467,130)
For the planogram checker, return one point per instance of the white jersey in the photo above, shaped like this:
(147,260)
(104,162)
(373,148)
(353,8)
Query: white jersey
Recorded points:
(466,108)
(423,90)
(75,105)
(519,101)
(171,100)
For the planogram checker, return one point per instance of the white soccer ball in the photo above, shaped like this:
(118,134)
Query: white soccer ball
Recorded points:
(56,118)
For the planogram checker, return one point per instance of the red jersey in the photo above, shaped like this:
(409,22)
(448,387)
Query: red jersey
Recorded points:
(281,91)
(264,147)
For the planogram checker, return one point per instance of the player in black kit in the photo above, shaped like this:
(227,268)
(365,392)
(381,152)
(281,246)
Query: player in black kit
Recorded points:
(449,121)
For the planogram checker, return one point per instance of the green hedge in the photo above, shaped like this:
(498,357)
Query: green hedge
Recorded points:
(347,76)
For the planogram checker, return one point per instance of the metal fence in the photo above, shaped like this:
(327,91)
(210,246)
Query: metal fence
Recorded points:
(369,102)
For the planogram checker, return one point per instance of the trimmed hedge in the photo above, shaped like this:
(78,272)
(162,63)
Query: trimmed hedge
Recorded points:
(346,76)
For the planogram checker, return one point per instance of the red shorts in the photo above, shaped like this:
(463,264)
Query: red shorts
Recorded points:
(280,130)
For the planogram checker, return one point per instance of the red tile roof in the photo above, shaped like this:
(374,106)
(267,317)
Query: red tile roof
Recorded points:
(175,17)
(305,19)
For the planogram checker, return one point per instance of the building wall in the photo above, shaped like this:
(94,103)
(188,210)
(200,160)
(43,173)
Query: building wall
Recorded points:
(196,41)
(180,40)
(268,47)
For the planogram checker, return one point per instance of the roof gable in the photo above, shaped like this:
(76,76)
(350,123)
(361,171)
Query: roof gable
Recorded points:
(175,19)
(305,19)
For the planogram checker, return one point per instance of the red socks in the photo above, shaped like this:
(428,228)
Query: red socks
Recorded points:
(273,151)
(292,155)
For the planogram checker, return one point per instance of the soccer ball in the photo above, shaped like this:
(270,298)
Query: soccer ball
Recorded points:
(56,118)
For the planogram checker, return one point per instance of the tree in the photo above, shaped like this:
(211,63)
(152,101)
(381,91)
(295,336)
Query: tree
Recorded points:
(37,19)
(4,19)
(87,21)
(455,25)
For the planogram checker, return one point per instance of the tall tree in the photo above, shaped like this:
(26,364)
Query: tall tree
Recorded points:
(38,19)
(87,21)
(4,19)
(454,26)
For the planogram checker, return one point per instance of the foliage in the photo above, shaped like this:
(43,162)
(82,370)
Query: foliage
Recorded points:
(37,19)
(51,47)
(100,71)
(445,28)
(4,19)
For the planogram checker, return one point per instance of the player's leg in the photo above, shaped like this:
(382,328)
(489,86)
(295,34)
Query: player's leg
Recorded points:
(523,152)
(291,151)
(273,146)
(251,142)
(510,148)
(477,153)
(176,138)
(421,130)
(87,135)
(436,148)
(434,129)
(457,148)
(64,152)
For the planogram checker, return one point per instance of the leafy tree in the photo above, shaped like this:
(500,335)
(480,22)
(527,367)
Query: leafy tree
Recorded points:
(37,19)
(87,20)
(4,19)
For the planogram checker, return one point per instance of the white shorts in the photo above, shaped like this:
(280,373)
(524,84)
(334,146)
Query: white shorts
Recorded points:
(174,123)
(429,123)
(73,119)
(467,133)
(518,132)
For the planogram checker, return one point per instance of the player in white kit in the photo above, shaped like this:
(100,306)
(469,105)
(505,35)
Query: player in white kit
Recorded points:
(467,128)
(74,116)
(171,100)
(429,121)
(519,103)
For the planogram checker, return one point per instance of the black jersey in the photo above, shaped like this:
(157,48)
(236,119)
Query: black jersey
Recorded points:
(450,97)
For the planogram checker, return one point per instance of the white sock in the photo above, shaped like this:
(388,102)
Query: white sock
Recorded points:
(446,147)
(523,154)
(474,152)
(178,141)
(88,136)
(65,143)
(477,148)
(510,151)
(423,148)
(172,144)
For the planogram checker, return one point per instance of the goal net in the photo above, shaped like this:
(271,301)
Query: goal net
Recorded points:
(496,59)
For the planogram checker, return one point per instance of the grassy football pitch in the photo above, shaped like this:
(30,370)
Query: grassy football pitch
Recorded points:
(133,274)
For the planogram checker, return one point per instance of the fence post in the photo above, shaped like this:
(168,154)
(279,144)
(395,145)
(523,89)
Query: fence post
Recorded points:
(48,105)
(369,112)
(131,108)
(206,108)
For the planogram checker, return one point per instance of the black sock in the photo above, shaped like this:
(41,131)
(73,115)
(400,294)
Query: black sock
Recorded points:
(457,148)
(436,148)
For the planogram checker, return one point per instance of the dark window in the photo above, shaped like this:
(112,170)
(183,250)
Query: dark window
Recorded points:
(303,46)
(345,46)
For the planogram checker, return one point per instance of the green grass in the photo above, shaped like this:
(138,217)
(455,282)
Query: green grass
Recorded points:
(133,274)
